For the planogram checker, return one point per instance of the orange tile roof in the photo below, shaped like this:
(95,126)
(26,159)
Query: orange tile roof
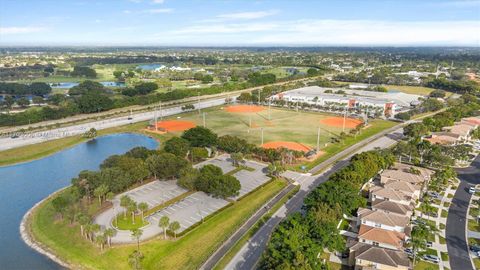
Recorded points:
(378,235)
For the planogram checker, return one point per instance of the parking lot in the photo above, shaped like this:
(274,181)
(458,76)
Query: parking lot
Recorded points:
(192,209)
(155,193)
(222,161)
(250,180)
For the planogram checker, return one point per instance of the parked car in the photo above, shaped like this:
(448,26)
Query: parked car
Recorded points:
(431,258)
(409,252)
(14,136)
(433,194)
(471,190)
(429,244)
(432,214)
(475,248)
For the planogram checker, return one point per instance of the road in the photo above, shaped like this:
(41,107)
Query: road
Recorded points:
(250,253)
(457,218)
(42,136)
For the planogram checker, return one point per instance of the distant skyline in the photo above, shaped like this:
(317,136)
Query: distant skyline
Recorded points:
(239,23)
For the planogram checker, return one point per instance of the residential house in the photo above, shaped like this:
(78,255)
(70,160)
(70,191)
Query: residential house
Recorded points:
(383,220)
(371,257)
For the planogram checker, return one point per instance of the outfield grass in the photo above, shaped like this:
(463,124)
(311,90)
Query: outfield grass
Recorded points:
(187,252)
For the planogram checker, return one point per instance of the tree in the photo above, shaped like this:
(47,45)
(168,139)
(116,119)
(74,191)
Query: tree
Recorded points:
(163,223)
(83,220)
(188,176)
(165,165)
(200,137)
(125,201)
(8,102)
(237,158)
(23,102)
(100,192)
(37,100)
(100,240)
(143,206)
(198,154)
(174,227)
(79,71)
(136,235)
(177,146)
(60,204)
(132,208)
(207,79)
(94,102)
(90,134)
(109,233)
(135,260)
(437,93)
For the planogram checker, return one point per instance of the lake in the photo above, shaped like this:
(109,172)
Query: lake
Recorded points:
(25,184)
(150,66)
(72,84)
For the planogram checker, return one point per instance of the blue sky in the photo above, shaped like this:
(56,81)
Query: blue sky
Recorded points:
(240,22)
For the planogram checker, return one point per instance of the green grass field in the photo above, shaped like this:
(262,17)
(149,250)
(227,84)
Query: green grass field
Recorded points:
(285,125)
(187,252)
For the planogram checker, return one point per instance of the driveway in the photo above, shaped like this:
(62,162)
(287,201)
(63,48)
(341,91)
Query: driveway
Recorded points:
(457,218)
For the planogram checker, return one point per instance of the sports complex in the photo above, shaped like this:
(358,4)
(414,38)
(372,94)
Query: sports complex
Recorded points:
(271,127)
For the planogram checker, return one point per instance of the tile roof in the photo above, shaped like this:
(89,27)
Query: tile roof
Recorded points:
(378,235)
(459,129)
(380,255)
(390,194)
(391,207)
(401,175)
(406,187)
(381,217)
(406,168)
(475,120)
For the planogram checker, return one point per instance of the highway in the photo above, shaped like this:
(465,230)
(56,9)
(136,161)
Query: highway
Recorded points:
(43,136)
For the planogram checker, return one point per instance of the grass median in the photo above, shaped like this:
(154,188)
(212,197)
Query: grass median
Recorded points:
(187,252)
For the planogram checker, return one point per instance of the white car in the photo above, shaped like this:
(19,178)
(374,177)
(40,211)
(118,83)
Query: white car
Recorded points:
(472,190)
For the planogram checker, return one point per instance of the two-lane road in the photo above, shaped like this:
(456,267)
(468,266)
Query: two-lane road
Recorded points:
(457,218)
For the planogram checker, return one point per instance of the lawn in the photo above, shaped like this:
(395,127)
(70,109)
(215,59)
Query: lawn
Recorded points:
(417,90)
(187,252)
(442,240)
(444,213)
(473,225)
(125,223)
(476,262)
(444,256)
(422,265)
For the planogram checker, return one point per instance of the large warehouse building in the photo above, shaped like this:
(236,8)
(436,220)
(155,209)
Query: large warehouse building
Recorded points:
(390,103)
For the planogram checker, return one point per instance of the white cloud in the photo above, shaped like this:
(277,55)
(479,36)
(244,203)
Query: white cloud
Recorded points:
(21,30)
(158,10)
(247,15)
(330,32)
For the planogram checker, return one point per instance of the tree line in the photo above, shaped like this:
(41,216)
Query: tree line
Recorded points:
(298,240)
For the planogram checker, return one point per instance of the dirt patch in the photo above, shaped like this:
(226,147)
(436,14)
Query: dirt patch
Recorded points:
(289,145)
(244,109)
(174,125)
(338,122)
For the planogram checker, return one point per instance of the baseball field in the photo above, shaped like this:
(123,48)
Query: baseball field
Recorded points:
(280,127)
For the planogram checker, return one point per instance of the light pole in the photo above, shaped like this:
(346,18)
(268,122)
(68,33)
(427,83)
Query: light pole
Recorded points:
(204,125)
(262,135)
(155,119)
(344,119)
(318,140)
(198,101)
(269,114)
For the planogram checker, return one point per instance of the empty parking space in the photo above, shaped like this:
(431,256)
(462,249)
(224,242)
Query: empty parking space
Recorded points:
(155,193)
(250,181)
(222,161)
(192,209)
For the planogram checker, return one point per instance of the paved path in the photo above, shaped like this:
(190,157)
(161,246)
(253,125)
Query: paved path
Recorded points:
(457,218)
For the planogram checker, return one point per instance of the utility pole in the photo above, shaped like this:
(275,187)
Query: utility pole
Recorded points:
(318,140)
(198,101)
(204,125)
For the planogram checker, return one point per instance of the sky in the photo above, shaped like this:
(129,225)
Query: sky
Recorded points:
(240,22)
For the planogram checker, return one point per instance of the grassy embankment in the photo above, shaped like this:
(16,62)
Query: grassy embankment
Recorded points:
(39,150)
(187,252)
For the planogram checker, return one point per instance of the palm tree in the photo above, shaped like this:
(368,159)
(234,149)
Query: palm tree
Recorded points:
(83,220)
(143,206)
(174,227)
(88,230)
(100,240)
(135,259)
(95,229)
(136,234)
(100,192)
(163,223)
(132,208)
(124,202)
(109,233)
(419,239)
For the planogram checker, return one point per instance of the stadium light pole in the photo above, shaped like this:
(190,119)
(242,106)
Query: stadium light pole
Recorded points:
(155,119)
(262,136)
(318,139)
(204,124)
(344,119)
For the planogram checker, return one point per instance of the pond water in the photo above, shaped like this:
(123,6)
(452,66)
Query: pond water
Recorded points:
(72,84)
(150,66)
(25,184)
